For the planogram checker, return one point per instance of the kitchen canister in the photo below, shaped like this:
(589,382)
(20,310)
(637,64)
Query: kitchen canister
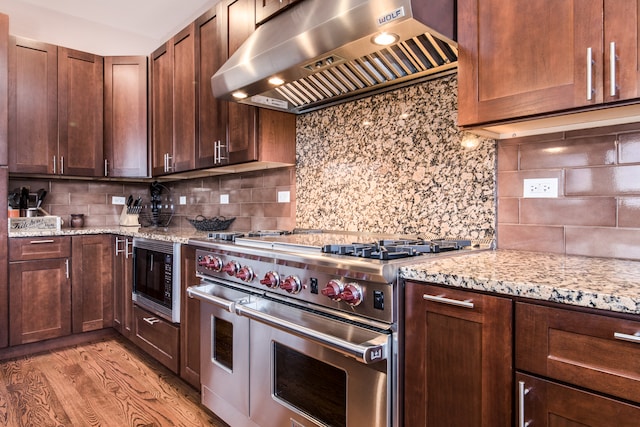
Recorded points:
(77,220)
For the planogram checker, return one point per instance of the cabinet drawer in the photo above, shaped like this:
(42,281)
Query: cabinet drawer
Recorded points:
(547,403)
(587,350)
(30,248)
(157,337)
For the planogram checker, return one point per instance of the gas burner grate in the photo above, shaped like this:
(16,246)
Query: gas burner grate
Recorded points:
(395,249)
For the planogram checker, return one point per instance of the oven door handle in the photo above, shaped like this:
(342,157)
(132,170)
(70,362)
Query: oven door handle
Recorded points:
(225,304)
(371,351)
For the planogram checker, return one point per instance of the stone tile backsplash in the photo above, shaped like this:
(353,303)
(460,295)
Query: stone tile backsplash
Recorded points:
(393,163)
(598,205)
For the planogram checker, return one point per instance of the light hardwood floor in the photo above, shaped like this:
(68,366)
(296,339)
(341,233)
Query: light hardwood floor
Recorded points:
(104,383)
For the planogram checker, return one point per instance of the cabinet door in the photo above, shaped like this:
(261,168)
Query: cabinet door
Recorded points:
(157,337)
(161,108)
(190,320)
(621,27)
(521,59)
(458,358)
(547,404)
(125,116)
(80,113)
(123,285)
(551,342)
(212,113)
(184,100)
(266,8)
(4,285)
(33,106)
(4,88)
(92,285)
(39,300)
(241,121)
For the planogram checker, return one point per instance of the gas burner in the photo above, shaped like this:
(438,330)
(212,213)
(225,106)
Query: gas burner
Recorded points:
(394,249)
(228,236)
(265,233)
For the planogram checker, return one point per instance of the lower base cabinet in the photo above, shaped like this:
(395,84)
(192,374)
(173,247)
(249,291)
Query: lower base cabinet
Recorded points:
(156,336)
(544,403)
(458,358)
(189,320)
(576,368)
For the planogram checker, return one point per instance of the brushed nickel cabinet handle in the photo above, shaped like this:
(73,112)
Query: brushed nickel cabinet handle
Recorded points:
(635,338)
(613,90)
(66,267)
(39,242)
(151,320)
(590,89)
(443,300)
(54,165)
(106,167)
(522,392)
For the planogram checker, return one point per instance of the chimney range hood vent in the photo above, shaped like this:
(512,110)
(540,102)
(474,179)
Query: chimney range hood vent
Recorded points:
(323,53)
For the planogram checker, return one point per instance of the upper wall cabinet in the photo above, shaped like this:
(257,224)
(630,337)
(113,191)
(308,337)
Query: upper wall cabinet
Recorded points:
(55,114)
(125,116)
(4,87)
(173,103)
(265,9)
(518,61)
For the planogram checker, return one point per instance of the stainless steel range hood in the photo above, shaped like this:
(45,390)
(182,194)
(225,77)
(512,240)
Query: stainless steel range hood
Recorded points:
(325,54)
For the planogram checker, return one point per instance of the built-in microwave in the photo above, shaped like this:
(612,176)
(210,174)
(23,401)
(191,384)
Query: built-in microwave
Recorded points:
(156,277)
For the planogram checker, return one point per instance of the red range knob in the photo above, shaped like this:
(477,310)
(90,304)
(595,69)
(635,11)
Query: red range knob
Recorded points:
(291,284)
(352,294)
(271,279)
(231,268)
(333,290)
(212,263)
(245,274)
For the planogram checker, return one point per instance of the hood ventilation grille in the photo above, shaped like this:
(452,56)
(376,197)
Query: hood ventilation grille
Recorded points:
(337,78)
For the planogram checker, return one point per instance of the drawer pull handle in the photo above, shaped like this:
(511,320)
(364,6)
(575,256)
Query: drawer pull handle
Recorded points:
(442,299)
(38,242)
(522,392)
(151,320)
(635,338)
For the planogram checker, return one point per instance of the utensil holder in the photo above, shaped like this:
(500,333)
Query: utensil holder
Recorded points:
(128,219)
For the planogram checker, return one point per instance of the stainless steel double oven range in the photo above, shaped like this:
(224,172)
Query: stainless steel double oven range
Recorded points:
(300,329)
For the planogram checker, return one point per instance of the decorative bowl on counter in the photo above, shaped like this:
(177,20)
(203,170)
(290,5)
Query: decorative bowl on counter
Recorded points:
(202,223)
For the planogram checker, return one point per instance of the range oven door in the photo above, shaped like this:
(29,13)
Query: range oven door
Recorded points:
(224,352)
(309,370)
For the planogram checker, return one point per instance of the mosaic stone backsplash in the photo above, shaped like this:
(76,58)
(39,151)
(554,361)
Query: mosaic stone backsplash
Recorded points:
(393,163)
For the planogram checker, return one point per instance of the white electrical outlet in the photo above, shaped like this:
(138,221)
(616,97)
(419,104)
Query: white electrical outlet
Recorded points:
(224,199)
(540,188)
(183,200)
(284,196)
(117,200)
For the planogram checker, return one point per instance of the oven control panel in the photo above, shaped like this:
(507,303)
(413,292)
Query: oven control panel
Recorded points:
(319,285)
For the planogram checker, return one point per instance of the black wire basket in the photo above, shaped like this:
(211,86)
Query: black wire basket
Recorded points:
(202,223)
(162,218)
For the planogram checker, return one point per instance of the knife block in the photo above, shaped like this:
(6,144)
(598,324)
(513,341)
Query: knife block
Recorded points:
(128,219)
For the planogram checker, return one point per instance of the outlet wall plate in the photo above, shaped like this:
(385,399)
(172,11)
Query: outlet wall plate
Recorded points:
(540,188)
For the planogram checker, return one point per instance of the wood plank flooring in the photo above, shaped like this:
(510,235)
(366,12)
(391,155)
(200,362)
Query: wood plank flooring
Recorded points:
(104,383)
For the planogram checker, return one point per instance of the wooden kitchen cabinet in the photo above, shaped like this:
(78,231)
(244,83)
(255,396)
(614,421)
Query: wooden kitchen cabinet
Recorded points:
(174,106)
(80,114)
(265,9)
(592,351)
(458,358)
(516,62)
(157,337)
(189,320)
(126,116)
(92,282)
(55,110)
(550,404)
(39,289)
(123,285)
(4,89)
(33,106)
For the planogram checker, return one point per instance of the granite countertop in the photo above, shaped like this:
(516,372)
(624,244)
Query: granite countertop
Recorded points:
(176,235)
(602,283)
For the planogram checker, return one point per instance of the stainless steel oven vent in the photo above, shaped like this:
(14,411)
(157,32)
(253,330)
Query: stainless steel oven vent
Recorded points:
(335,78)
(324,52)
